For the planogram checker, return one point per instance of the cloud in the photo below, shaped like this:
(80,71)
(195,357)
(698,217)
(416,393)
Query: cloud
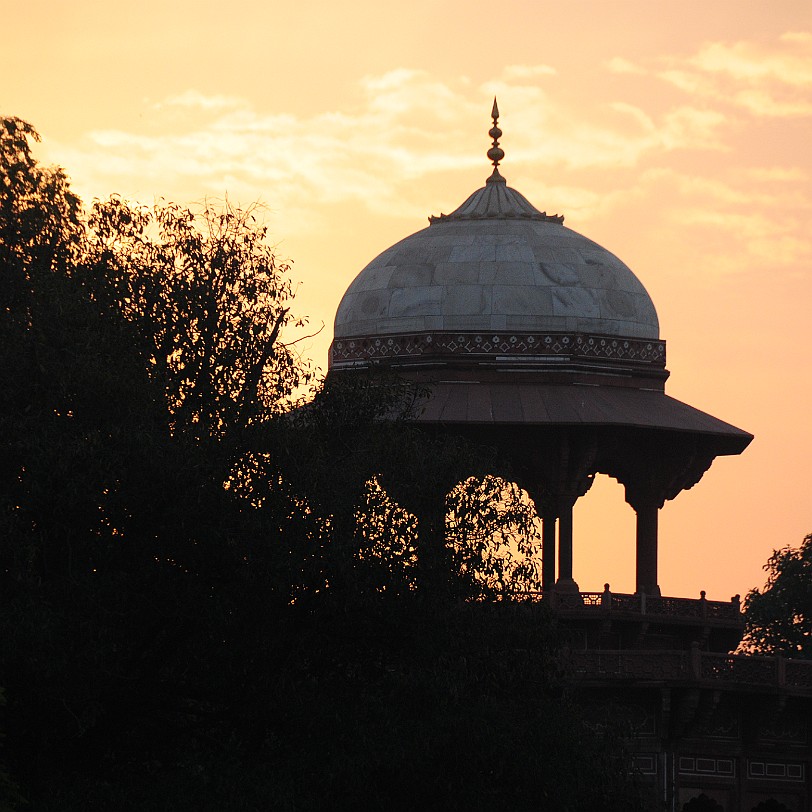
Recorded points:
(640,116)
(762,103)
(367,155)
(755,240)
(741,218)
(527,71)
(803,37)
(409,133)
(620,65)
(752,63)
(767,81)
(194,98)
(781,174)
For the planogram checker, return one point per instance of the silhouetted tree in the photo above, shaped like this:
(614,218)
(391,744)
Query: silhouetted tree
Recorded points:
(778,618)
(119,545)
(196,584)
(208,300)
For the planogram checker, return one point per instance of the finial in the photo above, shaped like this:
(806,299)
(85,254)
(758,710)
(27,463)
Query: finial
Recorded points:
(495,153)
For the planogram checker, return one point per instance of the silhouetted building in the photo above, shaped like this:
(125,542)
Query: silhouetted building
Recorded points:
(533,336)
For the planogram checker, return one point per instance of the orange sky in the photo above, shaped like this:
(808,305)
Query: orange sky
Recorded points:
(675,133)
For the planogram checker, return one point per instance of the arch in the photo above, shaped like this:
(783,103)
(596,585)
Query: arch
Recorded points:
(492,525)
(482,533)
(771,805)
(600,513)
(702,803)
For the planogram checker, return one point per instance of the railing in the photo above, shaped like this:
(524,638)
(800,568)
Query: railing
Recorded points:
(614,603)
(734,670)
(741,669)
(629,664)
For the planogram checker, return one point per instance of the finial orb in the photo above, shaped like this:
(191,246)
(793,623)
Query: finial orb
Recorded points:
(495,153)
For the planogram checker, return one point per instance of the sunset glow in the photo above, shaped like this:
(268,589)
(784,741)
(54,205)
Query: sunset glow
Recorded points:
(675,134)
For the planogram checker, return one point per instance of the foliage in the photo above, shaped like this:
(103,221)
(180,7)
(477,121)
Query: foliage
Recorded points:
(387,541)
(208,300)
(494,532)
(193,616)
(778,618)
(395,507)
(40,218)
(395,706)
(10,797)
(64,405)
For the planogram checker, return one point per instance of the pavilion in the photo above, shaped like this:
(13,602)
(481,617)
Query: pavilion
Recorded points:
(528,335)
(544,342)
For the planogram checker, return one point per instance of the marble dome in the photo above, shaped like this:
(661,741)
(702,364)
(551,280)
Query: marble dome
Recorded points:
(496,264)
(496,273)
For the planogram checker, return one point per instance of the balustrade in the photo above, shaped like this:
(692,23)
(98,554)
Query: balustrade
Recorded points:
(735,670)
(640,603)
(798,673)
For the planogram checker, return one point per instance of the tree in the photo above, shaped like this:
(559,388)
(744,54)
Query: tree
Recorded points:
(117,536)
(209,300)
(66,372)
(180,552)
(778,618)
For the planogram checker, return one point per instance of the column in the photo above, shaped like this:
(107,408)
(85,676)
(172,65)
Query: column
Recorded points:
(565,582)
(548,520)
(647,515)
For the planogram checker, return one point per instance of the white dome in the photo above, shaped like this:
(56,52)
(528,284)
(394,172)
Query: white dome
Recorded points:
(496,264)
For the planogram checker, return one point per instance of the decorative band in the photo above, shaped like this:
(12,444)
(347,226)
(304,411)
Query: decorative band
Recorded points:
(438,344)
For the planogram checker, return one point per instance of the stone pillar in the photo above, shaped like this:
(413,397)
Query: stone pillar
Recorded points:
(556,471)
(647,515)
(565,582)
(654,468)
(548,521)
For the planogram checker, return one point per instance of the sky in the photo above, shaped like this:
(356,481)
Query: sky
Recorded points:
(674,133)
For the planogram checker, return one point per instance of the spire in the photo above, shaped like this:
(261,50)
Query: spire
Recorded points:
(495,153)
(496,200)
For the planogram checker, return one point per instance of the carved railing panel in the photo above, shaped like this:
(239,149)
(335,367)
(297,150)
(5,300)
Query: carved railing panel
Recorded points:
(625,603)
(723,611)
(444,344)
(692,666)
(638,665)
(798,673)
(675,607)
(740,669)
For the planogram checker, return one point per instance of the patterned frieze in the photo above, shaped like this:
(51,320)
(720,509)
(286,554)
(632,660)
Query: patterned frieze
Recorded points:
(776,770)
(788,727)
(707,765)
(515,345)
(722,723)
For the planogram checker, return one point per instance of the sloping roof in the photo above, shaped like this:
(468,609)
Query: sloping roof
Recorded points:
(534,404)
